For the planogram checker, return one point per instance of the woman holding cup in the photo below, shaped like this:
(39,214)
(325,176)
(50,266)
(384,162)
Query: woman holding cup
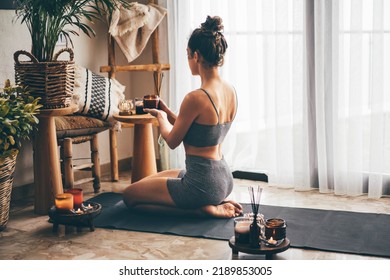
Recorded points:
(204,119)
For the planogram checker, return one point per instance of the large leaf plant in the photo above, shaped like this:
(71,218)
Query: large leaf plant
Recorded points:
(49,20)
(17,118)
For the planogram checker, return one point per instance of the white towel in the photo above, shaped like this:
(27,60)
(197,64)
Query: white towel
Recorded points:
(132,28)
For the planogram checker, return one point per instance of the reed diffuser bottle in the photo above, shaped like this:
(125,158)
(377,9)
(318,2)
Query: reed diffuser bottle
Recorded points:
(254,233)
(254,229)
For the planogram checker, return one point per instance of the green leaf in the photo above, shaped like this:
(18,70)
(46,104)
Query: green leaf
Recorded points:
(17,118)
(11,140)
(4,110)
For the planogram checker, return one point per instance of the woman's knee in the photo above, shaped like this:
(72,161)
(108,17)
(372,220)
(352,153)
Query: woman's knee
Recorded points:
(130,196)
(150,191)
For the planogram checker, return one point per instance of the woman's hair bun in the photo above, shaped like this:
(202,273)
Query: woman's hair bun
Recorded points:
(213,24)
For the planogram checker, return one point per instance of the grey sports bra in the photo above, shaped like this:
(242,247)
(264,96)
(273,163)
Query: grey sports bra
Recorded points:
(204,135)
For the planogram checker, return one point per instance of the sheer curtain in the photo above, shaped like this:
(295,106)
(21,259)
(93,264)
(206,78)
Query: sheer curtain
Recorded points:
(310,79)
(352,104)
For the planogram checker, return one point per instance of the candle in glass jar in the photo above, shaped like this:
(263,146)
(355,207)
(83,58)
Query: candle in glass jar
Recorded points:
(64,201)
(77,197)
(241,229)
(151,101)
(139,106)
(125,107)
(275,228)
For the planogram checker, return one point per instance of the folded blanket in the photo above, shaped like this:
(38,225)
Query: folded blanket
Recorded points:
(132,28)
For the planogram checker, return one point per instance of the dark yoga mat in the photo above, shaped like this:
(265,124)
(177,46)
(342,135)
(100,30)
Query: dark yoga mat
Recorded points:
(337,231)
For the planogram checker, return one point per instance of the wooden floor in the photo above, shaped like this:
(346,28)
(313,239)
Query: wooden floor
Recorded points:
(29,236)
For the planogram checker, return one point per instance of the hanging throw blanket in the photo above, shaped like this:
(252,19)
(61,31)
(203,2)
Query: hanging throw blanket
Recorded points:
(132,28)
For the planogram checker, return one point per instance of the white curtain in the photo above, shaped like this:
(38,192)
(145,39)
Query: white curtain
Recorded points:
(352,101)
(311,82)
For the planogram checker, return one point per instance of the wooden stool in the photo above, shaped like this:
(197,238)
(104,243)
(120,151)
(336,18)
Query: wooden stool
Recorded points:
(76,130)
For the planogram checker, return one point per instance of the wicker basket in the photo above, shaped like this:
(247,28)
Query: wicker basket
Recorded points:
(52,81)
(7,169)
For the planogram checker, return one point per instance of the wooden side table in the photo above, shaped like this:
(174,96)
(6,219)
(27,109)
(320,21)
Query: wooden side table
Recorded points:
(269,252)
(144,156)
(47,170)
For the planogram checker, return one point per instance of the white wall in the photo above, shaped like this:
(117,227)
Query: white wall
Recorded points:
(90,53)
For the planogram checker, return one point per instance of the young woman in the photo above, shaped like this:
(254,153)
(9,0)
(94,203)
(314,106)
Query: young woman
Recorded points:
(204,119)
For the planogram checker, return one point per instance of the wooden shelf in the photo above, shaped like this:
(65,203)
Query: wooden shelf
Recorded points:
(141,67)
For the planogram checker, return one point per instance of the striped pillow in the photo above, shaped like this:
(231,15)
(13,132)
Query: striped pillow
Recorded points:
(97,96)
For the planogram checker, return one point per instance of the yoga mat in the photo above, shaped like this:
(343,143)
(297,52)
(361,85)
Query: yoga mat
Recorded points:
(328,230)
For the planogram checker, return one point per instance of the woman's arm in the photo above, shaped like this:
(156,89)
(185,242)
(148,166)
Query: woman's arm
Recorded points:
(171,115)
(173,134)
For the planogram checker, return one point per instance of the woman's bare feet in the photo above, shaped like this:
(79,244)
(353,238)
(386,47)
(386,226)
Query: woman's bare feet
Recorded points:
(227,209)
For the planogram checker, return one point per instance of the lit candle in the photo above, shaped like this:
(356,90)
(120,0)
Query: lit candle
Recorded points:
(139,106)
(241,230)
(77,197)
(89,206)
(151,101)
(275,228)
(64,201)
(125,107)
(79,211)
(272,241)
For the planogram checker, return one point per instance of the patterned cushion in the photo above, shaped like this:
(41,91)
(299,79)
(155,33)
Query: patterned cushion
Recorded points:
(97,96)
(72,126)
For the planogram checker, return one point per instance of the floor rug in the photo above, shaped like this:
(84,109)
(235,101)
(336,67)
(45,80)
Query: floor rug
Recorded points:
(337,231)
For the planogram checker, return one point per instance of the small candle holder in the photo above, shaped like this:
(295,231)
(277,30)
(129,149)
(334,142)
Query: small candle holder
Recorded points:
(151,101)
(275,228)
(64,202)
(82,217)
(77,197)
(241,229)
(139,106)
(125,107)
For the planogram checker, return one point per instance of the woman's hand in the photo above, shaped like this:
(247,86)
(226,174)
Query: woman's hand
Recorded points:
(170,115)
(163,106)
(164,125)
(159,114)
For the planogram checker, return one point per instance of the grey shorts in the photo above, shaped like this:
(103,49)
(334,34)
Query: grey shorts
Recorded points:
(203,182)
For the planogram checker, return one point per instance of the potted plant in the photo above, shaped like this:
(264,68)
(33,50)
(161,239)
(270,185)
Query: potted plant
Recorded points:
(47,22)
(17,122)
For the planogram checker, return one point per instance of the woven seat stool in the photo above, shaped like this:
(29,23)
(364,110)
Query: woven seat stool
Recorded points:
(77,129)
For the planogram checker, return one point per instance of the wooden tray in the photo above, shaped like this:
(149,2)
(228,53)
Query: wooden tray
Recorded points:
(79,220)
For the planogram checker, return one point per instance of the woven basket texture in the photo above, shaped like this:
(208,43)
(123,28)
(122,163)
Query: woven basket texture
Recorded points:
(7,169)
(52,81)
